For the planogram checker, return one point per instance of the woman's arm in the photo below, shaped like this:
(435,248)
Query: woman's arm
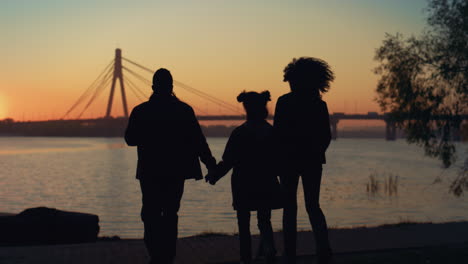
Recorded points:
(324,126)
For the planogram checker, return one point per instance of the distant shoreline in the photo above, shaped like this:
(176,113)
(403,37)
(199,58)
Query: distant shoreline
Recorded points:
(115,127)
(211,131)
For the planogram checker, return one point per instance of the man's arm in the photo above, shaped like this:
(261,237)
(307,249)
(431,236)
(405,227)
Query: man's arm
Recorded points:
(203,149)
(131,133)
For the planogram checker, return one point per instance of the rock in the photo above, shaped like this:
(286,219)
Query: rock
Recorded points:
(44,225)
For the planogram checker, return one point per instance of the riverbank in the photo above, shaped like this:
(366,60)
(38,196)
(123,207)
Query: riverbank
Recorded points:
(389,243)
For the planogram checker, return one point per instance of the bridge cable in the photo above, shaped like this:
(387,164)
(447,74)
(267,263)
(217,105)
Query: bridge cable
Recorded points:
(188,88)
(211,100)
(207,97)
(179,83)
(199,110)
(96,95)
(88,90)
(135,93)
(97,92)
(139,65)
(138,76)
(133,90)
(138,89)
(191,90)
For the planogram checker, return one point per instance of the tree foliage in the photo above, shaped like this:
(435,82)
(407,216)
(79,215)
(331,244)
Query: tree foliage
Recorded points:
(424,81)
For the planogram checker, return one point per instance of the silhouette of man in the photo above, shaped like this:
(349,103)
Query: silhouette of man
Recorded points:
(170,143)
(302,129)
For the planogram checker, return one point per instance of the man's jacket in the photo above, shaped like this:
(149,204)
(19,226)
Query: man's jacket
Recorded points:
(169,139)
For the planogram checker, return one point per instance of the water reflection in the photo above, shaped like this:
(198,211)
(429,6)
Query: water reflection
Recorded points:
(116,145)
(97,175)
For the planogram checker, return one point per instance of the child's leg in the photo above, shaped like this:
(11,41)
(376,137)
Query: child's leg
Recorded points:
(266,232)
(243,221)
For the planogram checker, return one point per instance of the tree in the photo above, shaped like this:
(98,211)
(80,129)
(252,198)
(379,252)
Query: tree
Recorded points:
(424,82)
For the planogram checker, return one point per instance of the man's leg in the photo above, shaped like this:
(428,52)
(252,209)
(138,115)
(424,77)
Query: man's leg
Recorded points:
(170,220)
(289,183)
(245,240)
(311,180)
(151,215)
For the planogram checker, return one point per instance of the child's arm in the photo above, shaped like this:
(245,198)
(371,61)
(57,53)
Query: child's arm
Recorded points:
(230,158)
(220,171)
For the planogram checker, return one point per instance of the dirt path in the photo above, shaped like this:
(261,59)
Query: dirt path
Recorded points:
(219,249)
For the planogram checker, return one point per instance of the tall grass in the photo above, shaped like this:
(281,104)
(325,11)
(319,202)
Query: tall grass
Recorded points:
(386,184)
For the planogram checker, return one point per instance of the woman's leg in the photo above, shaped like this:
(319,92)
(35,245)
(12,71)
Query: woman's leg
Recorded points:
(289,184)
(311,180)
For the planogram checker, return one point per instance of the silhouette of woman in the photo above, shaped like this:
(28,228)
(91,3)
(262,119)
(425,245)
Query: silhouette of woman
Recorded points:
(302,131)
(254,183)
(170,143)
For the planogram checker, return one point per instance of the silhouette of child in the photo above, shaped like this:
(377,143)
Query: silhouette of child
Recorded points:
(254,183)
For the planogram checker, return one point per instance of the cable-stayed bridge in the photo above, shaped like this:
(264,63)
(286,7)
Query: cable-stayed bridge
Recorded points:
(113,75)
(127,73)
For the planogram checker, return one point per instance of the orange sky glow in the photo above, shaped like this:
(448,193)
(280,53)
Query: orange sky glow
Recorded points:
(53,50)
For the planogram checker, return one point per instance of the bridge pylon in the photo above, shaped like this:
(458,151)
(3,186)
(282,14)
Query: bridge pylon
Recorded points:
(117,76)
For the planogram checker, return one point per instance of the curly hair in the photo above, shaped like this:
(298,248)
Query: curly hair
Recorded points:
(312,71)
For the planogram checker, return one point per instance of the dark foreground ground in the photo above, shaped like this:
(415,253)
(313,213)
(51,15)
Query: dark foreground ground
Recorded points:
(453,253)
(401,243)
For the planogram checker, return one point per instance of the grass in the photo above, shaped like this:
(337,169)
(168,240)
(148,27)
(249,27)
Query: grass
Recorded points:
(402,223)
(214,234)
(109,238)
(389,186)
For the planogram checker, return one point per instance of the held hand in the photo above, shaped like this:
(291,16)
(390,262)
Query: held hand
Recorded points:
(210,178)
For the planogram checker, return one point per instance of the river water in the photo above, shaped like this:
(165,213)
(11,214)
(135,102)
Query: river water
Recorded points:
(97,175)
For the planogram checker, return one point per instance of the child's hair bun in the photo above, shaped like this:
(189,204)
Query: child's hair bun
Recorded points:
(254,97)
(241,97)
(266,95)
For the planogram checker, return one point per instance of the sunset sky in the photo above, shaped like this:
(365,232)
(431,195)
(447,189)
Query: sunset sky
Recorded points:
(52,51)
